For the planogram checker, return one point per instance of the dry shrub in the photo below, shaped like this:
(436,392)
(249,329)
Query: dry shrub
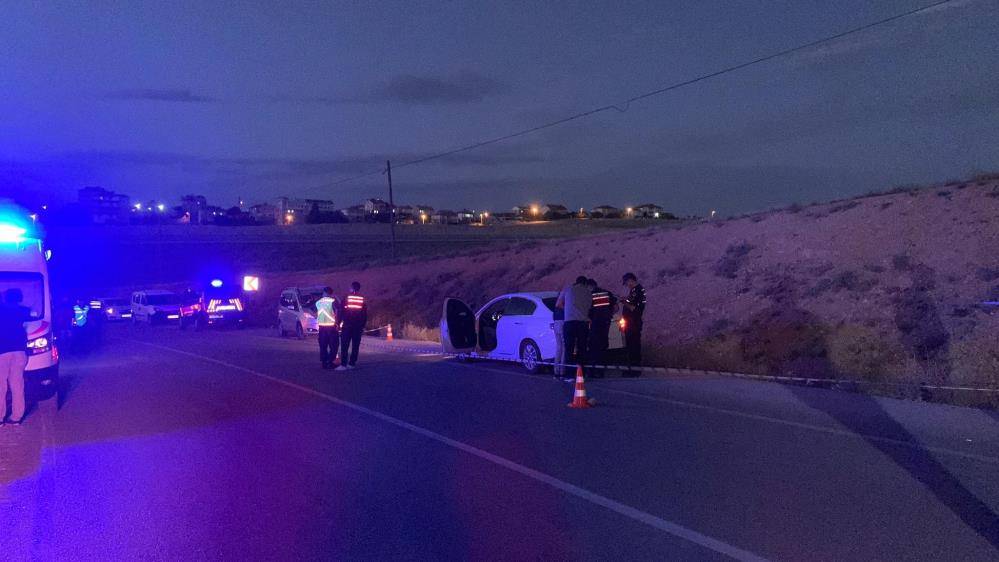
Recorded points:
(858,351)
(976,364)
(420,333)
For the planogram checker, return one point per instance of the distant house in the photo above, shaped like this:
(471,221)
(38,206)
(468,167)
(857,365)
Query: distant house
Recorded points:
(465,216)
(554,212)
(605,212)
(504,217)
(648,211)
(355,213)
(299,209)
(263,213)
(376,206)
(194,209)
(104,206)
(445,216)
(524,212)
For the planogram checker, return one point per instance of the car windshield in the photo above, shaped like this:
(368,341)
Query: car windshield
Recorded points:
(31,285)
(115,302)
(162,299)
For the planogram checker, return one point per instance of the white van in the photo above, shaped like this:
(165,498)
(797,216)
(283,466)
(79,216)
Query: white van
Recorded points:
(155,307)
(23,266)
(297,311)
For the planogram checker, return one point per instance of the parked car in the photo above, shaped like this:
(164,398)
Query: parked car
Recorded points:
(212,304)
(516,326)
(113,309)
(155,306)
(297,311)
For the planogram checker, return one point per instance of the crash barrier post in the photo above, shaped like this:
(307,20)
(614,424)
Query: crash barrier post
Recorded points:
(388,333)
(579,394)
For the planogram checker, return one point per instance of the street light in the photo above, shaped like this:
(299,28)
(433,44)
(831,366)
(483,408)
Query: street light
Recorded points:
(160,207)
(138,206)
(535,210)
(289,218)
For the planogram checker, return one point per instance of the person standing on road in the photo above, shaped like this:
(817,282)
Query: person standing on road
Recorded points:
(327,310)
(353,318)
(13,355)
(81,326)
(601,316)
(576,301)
(632,312)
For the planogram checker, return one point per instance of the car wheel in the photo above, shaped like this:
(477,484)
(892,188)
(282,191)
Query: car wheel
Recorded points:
(299,331)
(530,357)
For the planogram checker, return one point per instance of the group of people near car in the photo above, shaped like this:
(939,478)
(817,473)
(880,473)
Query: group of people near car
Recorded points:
(583,315)
(341,324)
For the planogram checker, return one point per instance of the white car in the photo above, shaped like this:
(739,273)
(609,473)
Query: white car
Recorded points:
(297,311)
(155,306)
(516,326)
(112,308)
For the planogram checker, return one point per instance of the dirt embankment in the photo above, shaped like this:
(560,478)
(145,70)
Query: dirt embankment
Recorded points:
(885,288)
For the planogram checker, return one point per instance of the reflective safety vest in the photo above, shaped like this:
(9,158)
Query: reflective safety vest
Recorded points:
(354,302)
(80,316)
(326,311)
(601,299)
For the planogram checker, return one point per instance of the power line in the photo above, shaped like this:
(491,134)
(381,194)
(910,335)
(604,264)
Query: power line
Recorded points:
(645,95)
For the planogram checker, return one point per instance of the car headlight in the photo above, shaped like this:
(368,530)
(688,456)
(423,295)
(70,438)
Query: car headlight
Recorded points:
(38,345)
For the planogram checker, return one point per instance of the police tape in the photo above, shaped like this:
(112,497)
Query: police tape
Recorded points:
(437,351)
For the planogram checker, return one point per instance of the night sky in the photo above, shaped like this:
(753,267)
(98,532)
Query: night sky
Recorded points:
(253,99)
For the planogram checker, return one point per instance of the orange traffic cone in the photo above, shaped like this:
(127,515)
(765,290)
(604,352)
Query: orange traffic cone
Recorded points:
(579,396)
(388,333)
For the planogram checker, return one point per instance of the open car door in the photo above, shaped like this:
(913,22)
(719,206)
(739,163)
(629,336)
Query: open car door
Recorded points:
(457,327)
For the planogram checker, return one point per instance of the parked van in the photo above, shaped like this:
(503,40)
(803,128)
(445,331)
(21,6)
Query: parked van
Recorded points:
(154,307)
(23,265)
(297,311)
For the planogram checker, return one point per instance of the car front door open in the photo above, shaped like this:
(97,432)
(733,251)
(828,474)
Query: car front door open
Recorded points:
(457,327)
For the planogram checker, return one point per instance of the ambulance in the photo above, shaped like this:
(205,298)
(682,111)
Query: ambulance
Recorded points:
(23,265)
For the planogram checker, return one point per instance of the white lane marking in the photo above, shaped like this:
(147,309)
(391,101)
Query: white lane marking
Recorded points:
(759,417)
(582,493)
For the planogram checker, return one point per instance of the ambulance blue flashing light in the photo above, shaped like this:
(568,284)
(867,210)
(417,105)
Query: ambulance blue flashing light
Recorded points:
(216,283)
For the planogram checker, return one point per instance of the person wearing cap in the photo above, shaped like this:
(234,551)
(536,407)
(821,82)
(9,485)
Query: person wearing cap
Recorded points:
(633,308)
(575,301)
(601,316)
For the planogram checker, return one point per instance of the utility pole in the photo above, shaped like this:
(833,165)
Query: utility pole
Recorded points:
(388,171)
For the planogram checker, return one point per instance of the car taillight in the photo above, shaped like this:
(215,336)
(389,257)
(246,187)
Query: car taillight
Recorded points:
(38,345)
(622,324)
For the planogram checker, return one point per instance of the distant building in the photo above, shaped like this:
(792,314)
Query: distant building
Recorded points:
(445,216)
(194,209)
(465,216)
(505,216)
(263,213)
(104,206)
(605,212)
(648,211)
(299,209)
(355,213)
(552,211)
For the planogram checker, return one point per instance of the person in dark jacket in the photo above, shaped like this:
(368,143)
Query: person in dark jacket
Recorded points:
(353,318)
(13,355)
(632,313)
(604,304)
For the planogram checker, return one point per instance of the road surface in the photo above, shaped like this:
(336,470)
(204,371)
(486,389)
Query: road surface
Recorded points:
(235,445)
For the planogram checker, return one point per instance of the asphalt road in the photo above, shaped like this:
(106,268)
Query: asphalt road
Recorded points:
(235,445)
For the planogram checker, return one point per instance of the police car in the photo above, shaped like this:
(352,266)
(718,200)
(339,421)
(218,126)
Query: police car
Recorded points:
(516,326)
(23,266)
(215,303)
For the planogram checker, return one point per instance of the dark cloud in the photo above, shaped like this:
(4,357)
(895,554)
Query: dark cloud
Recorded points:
(150,94)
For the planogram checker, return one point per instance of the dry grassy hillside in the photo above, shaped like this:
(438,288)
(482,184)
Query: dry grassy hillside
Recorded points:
(881,288)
